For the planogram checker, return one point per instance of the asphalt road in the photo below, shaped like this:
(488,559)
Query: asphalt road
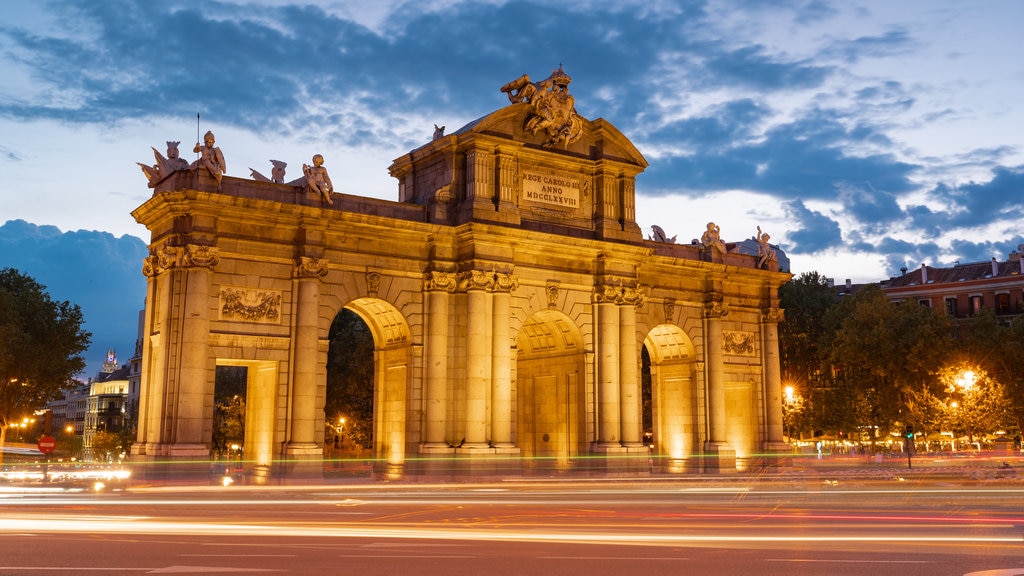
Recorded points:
(593,528)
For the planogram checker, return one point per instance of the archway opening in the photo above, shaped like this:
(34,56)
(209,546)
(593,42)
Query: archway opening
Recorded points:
(551,415)
(668,367)
(348,403)
(380,402)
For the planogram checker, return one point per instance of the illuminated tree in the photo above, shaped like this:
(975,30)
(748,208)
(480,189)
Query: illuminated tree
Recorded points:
(41,342)
(975,404)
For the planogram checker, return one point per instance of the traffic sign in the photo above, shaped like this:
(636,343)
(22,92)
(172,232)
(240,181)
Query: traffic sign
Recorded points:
(47,444)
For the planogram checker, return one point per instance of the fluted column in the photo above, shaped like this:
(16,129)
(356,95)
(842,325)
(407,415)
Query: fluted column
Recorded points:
(437,286)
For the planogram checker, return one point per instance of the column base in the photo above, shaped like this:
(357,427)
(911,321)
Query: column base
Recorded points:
(719,458)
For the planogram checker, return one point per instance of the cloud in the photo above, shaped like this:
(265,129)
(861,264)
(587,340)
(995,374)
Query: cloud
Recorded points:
(814,231)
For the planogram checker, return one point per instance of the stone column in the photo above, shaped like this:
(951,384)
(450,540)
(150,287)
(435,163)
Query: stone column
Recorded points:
(609,410)
(772,376)
(194,378)
(302,436)
(721,458)
(437,286)
(629,374)
(152,393)
(478,358)
(501,364)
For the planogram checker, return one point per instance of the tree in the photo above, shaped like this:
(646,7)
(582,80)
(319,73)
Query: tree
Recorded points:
(886,356)
(976,403)
(997,346)
(105,444)
(41,342)
(806,300)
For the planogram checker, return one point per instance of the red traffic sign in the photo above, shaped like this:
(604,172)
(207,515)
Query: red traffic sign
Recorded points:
(47,444)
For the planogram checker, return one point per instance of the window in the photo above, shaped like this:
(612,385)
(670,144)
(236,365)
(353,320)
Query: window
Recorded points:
(975,300)
(925,302)
(1003,303)
(951,306)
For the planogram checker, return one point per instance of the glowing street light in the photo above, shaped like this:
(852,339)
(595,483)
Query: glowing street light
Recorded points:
(966,380)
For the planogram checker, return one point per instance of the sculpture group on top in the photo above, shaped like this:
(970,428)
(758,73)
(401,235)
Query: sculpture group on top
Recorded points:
(711,242)
(553,109)
(211,159)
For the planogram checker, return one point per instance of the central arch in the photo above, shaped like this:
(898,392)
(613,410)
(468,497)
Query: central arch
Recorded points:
(551,408)
(392,353)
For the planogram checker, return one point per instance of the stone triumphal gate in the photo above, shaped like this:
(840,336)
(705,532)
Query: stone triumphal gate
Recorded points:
(509,292)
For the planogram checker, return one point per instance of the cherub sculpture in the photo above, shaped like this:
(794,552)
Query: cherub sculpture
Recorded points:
(712,238)
(276,173)
(317,179)
(163,166)
(765,253)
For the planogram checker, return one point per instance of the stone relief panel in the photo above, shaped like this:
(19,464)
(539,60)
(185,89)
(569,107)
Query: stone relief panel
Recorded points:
(250,305)
(738,343)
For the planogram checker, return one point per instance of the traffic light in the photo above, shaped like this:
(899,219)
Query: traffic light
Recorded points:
(909,432)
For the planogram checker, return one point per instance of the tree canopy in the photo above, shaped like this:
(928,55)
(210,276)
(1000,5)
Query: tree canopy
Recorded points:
(862,363)
(41,342)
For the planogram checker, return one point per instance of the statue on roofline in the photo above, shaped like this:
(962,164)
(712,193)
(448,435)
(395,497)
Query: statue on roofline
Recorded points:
(553,108)
(276,173)
(164,166)
(210,157)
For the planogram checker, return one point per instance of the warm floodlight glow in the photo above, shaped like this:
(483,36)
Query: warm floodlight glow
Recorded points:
(966,380)
(790,393)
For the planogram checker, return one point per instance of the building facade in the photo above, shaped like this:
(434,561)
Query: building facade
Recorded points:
(510,294)
(964,290)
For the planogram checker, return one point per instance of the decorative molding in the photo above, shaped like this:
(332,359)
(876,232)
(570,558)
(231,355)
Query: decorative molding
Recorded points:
(249,305)
(669,308)
(551,289)
(248,341)
(372,283)
(738,343)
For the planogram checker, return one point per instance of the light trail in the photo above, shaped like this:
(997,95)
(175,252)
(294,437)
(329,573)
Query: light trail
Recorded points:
(114,525)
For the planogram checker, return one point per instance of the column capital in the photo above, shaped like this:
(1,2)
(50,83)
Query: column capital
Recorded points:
(716,309)
(438,281)
(489,280)
(306,267)
(773,315)
(626,293)
(188,256)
